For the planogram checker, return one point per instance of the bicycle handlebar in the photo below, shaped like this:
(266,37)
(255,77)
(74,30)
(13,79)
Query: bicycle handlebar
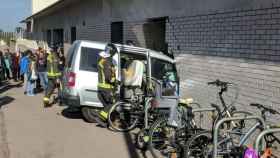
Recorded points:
(265,109)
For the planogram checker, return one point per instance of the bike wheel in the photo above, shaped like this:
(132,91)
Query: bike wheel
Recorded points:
(161,137)
(199,145)
(121,117)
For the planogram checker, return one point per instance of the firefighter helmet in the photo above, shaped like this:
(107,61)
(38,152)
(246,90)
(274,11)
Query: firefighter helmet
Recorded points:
(111,49)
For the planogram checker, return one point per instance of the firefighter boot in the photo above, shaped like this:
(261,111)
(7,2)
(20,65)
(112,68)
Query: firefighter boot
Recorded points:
(100,120)
(46,102)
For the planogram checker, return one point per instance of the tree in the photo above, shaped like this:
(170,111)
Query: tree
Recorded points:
(1,30)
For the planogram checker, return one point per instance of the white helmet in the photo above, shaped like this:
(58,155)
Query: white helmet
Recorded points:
(104,54)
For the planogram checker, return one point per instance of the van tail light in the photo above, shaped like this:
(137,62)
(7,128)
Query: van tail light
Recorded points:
(71,79)
(154,103)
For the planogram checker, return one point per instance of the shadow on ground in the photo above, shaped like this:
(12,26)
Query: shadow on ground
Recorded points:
(6,86)
(72,113)
(4,100)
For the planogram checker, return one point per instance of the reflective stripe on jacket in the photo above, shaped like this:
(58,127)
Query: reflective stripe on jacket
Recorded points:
(106,74)
(52,65)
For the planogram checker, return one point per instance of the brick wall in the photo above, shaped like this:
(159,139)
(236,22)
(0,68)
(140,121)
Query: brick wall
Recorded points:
(250,34)
(241,47)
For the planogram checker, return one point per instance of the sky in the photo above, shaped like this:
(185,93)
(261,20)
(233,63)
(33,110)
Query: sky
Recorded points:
(12,12)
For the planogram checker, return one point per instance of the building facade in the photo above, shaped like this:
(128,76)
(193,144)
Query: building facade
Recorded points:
(233,40)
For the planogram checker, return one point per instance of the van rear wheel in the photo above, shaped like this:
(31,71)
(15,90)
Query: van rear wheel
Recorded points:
(88,113)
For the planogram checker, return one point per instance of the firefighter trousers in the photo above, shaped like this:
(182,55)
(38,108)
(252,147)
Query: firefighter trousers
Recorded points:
(52,84)
(107,98)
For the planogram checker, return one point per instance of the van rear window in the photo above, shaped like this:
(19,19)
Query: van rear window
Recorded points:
(70,55)
(89,59)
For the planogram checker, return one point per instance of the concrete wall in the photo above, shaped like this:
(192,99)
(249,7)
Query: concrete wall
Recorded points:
(234,40)
(38,5)
(87,16)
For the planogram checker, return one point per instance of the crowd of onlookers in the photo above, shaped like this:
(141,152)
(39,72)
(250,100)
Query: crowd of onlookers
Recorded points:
(29,67)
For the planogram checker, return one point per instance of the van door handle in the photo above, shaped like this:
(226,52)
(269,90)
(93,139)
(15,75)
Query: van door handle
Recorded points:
(91,90)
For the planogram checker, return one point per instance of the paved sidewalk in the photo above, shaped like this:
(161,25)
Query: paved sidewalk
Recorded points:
(27,130)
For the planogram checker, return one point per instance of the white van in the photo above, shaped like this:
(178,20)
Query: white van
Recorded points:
(81,75)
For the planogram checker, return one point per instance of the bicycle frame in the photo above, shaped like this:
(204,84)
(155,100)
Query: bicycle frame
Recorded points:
(220,122)
(226,108)
(249,133)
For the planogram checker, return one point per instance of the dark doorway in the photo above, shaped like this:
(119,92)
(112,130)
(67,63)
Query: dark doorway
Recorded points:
(73,34)
(154,31)
(49,37)
(58,35)
(117,32)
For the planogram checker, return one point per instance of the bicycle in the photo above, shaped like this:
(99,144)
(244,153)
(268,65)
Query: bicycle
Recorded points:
(270,139)
(198,144)
(236,150)
(138,111)
(167,138)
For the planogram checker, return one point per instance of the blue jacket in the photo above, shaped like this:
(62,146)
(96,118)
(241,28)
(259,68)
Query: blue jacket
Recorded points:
(24,65)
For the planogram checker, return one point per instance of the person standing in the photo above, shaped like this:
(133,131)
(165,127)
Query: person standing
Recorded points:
(24,67)
(42,68)
(8,64)
(15,60)
(2,69)
(106,83)
(53,74)
(21,55)
(61,66)
(32,76)
(61,57)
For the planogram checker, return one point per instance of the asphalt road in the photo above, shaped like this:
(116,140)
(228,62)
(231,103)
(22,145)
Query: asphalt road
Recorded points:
(27,130)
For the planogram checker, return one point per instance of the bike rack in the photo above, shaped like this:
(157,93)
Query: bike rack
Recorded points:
(262,134)
(220,122)
(203,109)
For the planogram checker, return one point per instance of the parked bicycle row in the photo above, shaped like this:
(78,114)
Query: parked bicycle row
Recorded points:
(184,138)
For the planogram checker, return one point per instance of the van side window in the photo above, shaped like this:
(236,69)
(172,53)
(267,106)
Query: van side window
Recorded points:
(89,59)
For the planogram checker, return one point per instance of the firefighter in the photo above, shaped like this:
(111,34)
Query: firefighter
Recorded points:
(53,74)
(107,83)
